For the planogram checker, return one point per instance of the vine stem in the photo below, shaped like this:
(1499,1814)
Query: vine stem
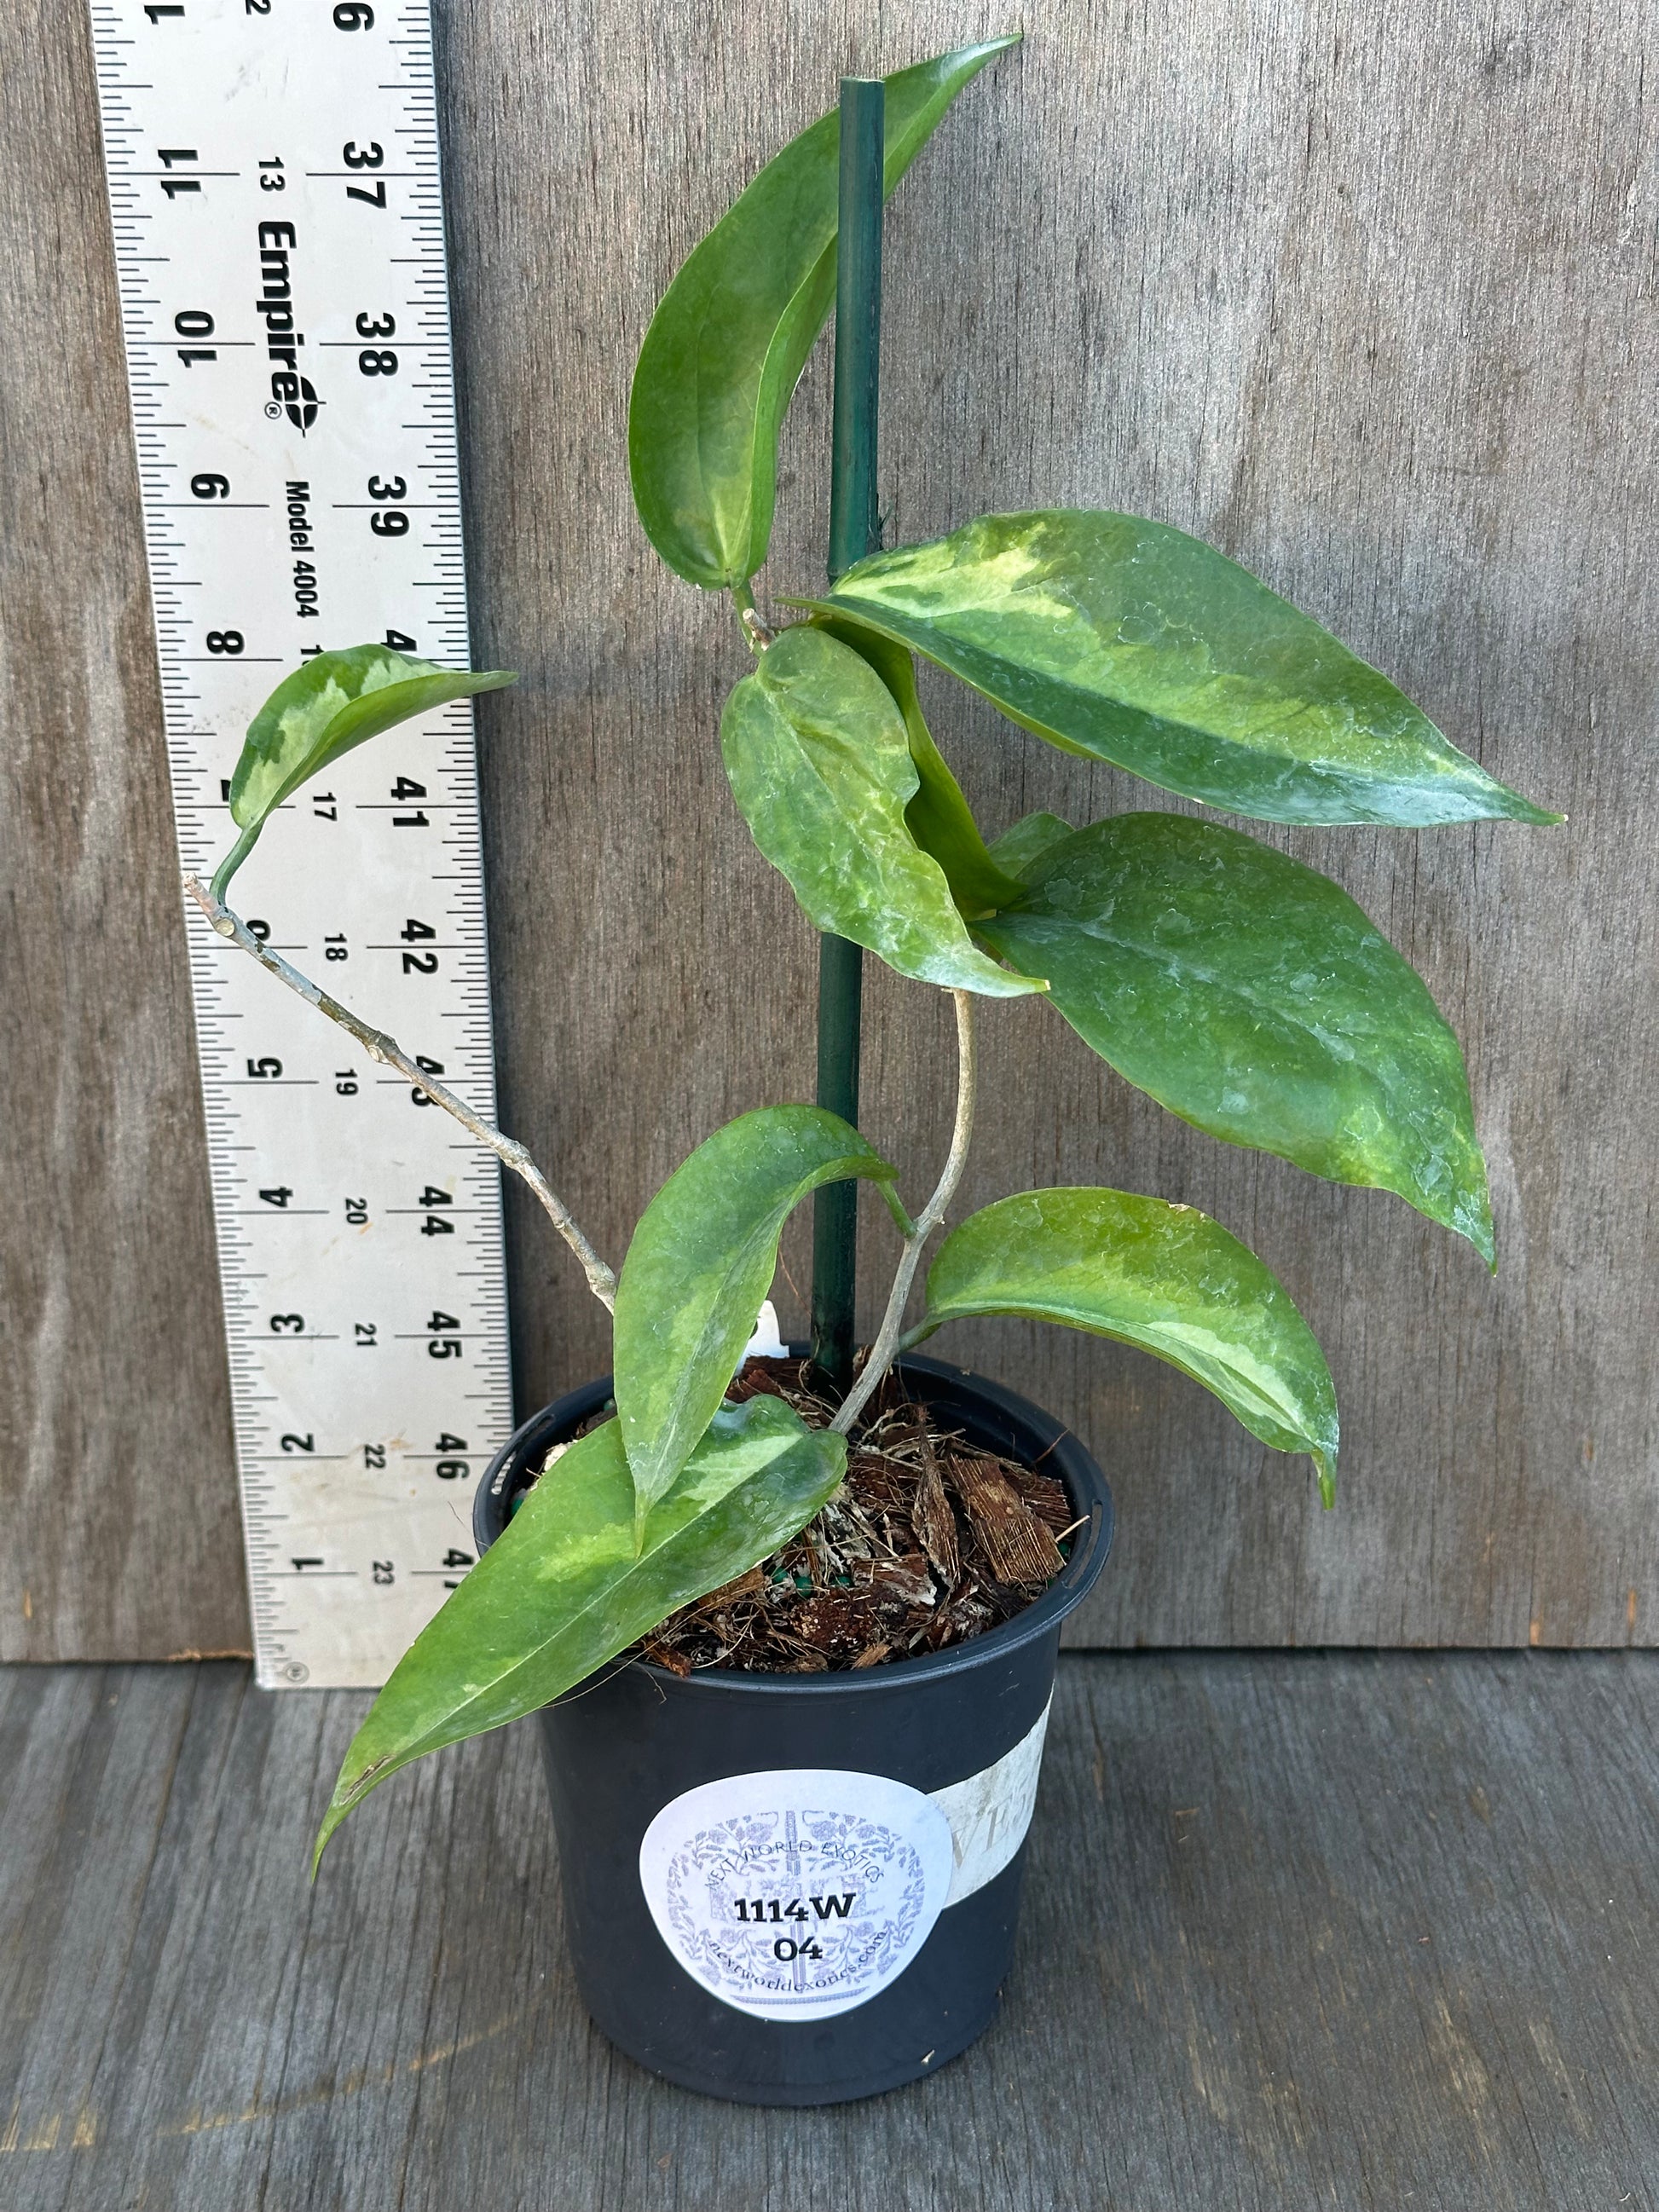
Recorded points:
(882,1351)
(756,634)
(390,1054)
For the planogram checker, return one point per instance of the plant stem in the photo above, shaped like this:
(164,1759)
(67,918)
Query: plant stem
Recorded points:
(886,1345)
(756,635)
(233,859)
(390,1054)
(835,1209)
(854,530)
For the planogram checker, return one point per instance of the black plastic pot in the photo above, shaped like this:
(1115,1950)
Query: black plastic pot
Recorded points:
(768,1898)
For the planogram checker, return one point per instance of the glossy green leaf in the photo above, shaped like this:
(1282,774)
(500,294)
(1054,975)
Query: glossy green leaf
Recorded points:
(727,344)
(563,1588)
(1165,1277)
(701,1260)
(331,703)
(1133,643)
(1019,851)
(938,818)
(819,761)
(1252,997)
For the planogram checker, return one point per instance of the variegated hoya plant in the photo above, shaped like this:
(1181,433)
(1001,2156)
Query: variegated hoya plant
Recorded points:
(1243,990)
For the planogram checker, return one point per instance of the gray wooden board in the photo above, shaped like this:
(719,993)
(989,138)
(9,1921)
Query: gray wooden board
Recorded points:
(1365,293)
(115,1442)
(1328,1931)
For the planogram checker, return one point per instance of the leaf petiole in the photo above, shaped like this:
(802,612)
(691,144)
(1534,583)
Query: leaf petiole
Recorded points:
(757,636)
(233,859)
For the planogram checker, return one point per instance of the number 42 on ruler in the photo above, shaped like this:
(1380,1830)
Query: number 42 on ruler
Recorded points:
(274,189)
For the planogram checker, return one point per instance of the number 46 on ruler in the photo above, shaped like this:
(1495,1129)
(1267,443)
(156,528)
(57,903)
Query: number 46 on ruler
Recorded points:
(274,188)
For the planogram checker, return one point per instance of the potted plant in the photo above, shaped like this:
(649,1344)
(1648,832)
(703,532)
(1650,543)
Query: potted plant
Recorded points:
(794,1879)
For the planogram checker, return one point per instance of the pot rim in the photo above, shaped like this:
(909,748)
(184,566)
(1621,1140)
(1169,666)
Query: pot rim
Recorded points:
(1085,1482)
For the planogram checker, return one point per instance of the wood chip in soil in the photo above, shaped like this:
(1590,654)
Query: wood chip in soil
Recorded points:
(930,1540)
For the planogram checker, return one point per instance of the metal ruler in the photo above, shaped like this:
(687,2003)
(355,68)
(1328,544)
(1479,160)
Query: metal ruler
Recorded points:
(273,179)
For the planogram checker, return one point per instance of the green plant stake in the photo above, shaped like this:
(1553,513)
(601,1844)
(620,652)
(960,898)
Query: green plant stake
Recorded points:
(1239,988)
(854,533)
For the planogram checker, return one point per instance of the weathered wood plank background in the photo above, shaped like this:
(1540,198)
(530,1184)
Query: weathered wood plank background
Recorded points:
(1363,293)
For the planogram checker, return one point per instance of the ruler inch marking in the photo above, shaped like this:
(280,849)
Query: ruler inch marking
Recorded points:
(359,1435)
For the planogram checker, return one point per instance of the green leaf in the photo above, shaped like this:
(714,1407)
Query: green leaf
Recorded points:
(727,344)
(1163,1277)
(563,1588)
(1253,998)
(701,1260)
(331,702)
(1019,850)
(938,818)
(1132,643)
(819,761)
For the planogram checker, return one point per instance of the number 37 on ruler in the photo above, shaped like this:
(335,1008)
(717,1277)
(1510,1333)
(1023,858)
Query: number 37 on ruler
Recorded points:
(275,195)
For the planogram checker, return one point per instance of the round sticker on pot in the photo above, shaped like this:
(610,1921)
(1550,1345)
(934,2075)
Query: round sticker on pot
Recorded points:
(798,1893)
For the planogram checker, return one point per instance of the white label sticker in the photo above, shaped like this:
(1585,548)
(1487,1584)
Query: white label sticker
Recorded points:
(991,1811)
(796,1894)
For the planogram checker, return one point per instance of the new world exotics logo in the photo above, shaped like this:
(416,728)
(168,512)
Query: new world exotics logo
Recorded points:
(291,393)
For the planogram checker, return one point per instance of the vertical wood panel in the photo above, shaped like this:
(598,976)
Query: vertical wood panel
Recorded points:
(120,1499)
(1366,297)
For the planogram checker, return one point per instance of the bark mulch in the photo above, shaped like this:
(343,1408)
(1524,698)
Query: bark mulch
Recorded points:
(929,1541)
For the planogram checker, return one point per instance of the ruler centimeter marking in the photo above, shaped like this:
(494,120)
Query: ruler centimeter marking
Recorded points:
(273,182)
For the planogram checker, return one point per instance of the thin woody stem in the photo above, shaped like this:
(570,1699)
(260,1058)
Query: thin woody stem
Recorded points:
(755,631)
(882,1351)
(390,1054)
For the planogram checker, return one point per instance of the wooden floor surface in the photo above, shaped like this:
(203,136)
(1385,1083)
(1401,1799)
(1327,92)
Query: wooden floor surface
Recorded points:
(1338,1931)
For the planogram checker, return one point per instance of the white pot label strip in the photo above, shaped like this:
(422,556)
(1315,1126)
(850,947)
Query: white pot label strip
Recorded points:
(990,1812)
(273,178)
(801,1894)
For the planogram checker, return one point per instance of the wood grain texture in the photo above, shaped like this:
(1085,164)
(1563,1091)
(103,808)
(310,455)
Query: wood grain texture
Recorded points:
(116,1479)
(1364,295)
(1300,1931)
